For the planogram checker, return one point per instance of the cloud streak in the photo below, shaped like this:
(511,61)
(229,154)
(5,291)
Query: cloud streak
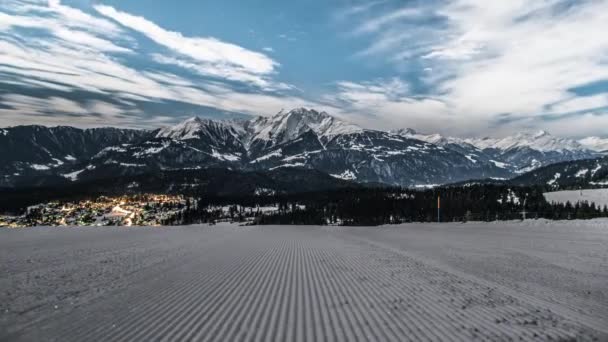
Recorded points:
(461,67)
(482,59)
(69,54)
(208,56)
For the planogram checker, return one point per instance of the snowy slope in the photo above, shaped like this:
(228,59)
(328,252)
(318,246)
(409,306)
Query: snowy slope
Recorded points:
(531,281)
(286,126)
(196,128)
(434,138)
(597,196)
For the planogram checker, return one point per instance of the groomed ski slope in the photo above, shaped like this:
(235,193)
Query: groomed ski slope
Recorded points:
(419,282)
(597,196)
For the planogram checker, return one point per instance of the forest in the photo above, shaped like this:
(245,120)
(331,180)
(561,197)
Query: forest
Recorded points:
(377,206)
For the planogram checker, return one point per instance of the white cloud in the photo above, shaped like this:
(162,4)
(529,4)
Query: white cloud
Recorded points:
(357,9)
(577,104)
(77,57)
(386,104)
(212,53)
(482,60)
(492,57)
(225,73)
(54,111)
(379,22)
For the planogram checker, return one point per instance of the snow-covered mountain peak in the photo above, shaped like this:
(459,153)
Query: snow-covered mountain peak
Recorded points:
(194,127)
(289,125)
(434,138)
(541,141)
(286,126)
(404,131)
(595,144)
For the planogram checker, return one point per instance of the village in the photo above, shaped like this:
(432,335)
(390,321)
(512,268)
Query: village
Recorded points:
(135,210)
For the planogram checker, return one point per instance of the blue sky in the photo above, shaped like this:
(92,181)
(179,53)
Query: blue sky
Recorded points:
(458,67)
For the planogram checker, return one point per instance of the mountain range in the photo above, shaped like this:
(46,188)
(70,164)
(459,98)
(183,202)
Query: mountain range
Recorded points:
(300,138)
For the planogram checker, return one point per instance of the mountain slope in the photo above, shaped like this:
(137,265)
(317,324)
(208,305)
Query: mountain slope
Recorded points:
(33,150)
(300,138)
(587,173)
(518,154)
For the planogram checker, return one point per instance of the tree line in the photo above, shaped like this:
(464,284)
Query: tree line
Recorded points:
(381,205)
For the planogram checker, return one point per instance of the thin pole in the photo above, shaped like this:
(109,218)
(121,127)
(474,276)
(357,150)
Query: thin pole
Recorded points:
(438,208)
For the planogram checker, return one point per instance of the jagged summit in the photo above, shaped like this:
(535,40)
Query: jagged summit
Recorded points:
(299,137)
(435,138)
(279,128)
(285,126)
(288,125)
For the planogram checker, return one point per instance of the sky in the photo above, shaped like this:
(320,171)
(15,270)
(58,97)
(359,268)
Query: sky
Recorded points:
(456,67)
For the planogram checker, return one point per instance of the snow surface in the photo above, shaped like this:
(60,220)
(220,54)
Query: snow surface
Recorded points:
(286,126)
(132,165)
(224,156)
(193,128)
(279,128)
(597,168)
(597,196)
(581,173)
(536,280)
(274,154)
(288,165)
(555,178)
(470,157)
(39,167)
(346,175)
(152,150)
(73,176)
(499,164)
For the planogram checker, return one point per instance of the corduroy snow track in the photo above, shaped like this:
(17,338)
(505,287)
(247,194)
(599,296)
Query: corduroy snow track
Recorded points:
(265,283)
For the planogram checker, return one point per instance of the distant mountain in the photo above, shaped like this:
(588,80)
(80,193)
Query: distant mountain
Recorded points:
(300,138)
(32,151)
(518,154)
(595,144)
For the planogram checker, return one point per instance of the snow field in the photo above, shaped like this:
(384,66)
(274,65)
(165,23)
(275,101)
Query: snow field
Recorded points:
(597,196)
(270,283)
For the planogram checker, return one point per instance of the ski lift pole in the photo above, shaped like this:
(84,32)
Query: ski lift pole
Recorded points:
(439,208)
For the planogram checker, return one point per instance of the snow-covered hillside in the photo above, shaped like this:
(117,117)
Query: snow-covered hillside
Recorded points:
(288,125)
(597,196)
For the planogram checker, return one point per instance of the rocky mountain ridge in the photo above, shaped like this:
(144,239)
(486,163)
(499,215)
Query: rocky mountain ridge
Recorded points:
(300,138)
